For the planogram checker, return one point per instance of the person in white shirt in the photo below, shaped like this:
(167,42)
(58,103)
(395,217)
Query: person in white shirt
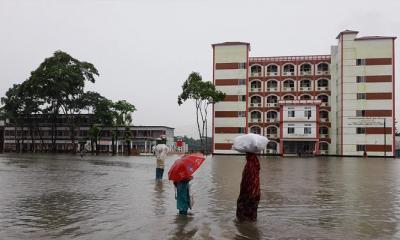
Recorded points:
(160,150)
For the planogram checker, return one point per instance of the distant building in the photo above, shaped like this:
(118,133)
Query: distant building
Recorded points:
(39,133)
(338,104)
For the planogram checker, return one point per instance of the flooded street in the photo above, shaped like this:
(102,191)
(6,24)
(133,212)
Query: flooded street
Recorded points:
(103,197)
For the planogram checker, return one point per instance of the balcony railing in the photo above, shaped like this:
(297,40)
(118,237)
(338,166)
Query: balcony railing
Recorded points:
(272,73)
(272,104)
(305,88)
(255,104)
(322,72)
(323,135)
(272,89)
(323,152)
(324,104)
(255,74)
(304,73)
(272,135)
(255,120)
(255,89)
(288,73)
(272,151)
(322,88)
(288,89)
(272,120)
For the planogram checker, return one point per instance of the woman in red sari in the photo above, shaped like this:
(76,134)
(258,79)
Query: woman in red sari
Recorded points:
(249,196)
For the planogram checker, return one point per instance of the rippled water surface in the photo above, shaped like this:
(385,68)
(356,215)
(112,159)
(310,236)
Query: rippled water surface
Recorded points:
(104,197)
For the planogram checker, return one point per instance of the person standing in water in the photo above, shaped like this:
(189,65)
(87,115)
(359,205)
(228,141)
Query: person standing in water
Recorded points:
(182,196)
(249,196)
(365,155)
(160,150)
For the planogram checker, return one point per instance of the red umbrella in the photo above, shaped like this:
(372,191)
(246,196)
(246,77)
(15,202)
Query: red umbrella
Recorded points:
(184,167)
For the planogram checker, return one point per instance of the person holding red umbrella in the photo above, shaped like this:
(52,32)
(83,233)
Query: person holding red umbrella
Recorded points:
(182,196)
(249,197)
(181,173)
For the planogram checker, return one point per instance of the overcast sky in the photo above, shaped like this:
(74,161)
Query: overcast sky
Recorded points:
(145,49)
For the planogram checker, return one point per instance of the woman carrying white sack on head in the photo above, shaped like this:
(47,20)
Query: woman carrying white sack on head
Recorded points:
(249,196)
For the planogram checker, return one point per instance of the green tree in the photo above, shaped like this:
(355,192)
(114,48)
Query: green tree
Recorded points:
(102,110)
(30,108)
(203,94)
(57,87)
(13,109)
(60,81)
(94,132)
(122,111)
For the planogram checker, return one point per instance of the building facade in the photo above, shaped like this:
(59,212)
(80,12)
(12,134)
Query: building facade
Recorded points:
(41,133)
(338,104)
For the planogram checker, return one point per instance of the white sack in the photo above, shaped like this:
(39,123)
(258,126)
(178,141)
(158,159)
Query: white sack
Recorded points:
(250,142)
(161,151)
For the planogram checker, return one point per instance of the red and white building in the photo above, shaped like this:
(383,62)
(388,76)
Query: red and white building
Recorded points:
(337,104)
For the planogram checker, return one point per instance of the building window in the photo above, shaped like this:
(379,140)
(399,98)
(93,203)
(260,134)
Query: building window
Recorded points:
(242,98)
(242,65)
(291,113)
(241,114)
(361,96)
(290,130)
(307,114)
(360,113)
(242,130)
(307,130)
(360,130)
(242,81)
(360,79)
(360,148)
(360,62)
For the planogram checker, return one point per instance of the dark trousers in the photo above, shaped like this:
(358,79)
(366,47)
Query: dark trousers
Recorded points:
(159,173)
(183,213)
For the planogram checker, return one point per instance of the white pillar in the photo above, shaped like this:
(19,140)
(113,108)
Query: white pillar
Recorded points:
(145,146)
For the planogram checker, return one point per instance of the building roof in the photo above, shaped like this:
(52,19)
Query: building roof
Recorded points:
(375,38)
(346,32)
(140,126)
(230,43)
(365,37)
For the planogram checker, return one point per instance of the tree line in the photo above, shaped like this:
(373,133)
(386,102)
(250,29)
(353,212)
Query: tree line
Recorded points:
(57,87)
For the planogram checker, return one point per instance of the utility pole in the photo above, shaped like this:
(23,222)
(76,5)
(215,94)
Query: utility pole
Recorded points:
(384,135)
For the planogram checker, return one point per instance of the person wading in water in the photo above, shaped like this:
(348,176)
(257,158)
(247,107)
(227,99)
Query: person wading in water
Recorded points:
(161,151)
(249,196)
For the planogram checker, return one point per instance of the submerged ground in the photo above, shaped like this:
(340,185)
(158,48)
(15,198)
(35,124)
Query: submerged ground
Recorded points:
(104,197)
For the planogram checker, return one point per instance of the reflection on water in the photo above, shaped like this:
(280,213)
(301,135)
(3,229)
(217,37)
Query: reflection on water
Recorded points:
(101,197)
(183,228)
(159,198)
(53,210)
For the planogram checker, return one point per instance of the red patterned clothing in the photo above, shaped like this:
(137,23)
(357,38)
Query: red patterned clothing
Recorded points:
(249,196)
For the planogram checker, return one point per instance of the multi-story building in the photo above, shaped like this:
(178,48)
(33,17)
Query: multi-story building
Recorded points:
(337,104)
(41,133)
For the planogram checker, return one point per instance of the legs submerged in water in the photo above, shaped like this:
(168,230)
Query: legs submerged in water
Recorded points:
(249,196)
(159,173)
(183,213)
(182,197)
(247,210)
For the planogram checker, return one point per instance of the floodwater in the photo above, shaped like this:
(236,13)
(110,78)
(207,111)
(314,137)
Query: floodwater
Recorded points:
(104,197)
